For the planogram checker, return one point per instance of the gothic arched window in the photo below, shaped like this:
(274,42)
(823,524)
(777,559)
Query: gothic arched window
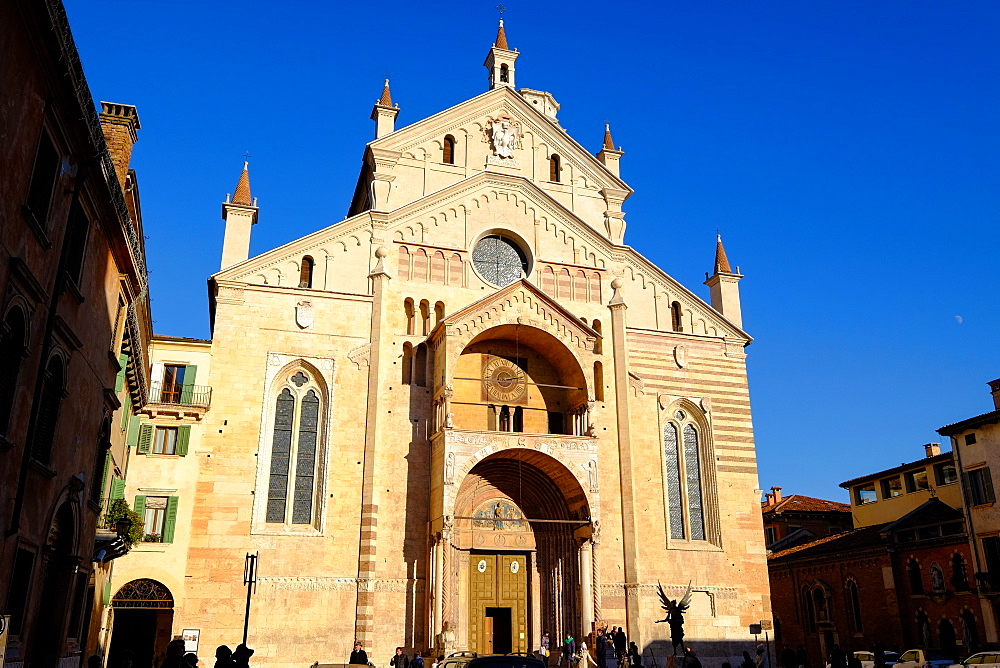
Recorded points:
(12,346)
(47,414)
(916,581)
(295,446)
(306,272)
(448,150)
(676,322)
(686,460)
(959,577)
(555,167)
(853,605)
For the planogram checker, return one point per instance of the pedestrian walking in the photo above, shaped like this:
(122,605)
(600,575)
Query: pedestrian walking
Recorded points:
(224,657)
(399,659)
(241,655)
(569,649)
(621,646)
(544,646)
(418,661)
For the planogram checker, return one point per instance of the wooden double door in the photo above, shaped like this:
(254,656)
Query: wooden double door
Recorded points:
(498,603)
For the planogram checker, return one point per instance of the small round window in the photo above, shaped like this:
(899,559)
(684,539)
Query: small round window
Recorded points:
(499,260)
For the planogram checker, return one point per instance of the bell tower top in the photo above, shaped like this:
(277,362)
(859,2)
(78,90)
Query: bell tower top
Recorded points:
(500,61)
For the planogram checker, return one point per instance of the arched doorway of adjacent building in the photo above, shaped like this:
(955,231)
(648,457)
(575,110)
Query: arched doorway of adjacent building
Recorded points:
(59,565)
(522,542)
(143,618)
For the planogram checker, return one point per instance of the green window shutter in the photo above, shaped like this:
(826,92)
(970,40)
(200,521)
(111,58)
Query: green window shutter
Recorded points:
(187,391)
(171,520)
(117,489)
(140,505)
(145,439)
(132,433)
(120,379)
(105,471)
(106,598)
(126,411)
(183,437)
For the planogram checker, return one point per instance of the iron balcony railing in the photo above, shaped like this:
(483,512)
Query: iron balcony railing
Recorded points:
(989,583)
(181,395)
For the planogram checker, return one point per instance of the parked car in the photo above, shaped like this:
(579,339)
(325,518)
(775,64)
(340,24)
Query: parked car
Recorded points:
(513,660)
(924,658)
(457,660)
(983,660)
(867,658)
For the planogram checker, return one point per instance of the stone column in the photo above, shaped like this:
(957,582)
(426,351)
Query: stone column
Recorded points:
(630,551)
(586,586)
(438,556)
(364,625)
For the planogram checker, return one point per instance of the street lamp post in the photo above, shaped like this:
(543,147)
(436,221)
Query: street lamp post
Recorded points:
(250,582)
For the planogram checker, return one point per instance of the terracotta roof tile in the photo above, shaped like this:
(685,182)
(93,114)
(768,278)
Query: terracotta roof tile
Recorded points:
(501,42)
(242,194)
(386,99)
(721,261)
(869,536)
(609,144)
(807,504)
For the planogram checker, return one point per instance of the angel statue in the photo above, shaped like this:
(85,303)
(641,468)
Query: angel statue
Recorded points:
(675,615)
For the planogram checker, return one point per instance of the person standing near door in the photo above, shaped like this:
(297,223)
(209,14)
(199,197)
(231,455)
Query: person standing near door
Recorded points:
(621,646)
(569,649)
(543,648)
(399,660)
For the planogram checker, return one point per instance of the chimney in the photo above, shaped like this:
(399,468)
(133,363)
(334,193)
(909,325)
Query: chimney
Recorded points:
(119,123)
(768,500)
(995,391)
(932,449)
(776,493)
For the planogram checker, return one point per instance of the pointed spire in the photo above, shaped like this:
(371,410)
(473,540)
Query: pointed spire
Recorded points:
(721,261)
(386,99)
(242,194)
(501,42)
(609,144)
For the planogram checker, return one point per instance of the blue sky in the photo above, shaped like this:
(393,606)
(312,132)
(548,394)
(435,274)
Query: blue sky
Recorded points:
(847,150)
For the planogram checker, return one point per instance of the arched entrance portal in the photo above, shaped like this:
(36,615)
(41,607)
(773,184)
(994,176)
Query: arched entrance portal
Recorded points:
(143,617)
(522,542)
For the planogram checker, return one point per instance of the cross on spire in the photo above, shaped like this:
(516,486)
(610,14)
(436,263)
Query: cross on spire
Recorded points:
(246,156)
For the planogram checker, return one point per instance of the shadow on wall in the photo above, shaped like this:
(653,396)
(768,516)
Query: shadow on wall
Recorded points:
(712,653)
(416,549)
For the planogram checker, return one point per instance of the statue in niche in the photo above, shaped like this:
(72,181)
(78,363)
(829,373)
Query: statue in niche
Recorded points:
(449,467)
(446,639)
(675,614)
(449,420)
(592,475)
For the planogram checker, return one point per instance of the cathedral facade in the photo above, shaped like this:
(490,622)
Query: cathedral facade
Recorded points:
(468,413)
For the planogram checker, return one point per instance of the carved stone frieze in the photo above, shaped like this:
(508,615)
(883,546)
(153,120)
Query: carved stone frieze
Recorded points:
(361,355)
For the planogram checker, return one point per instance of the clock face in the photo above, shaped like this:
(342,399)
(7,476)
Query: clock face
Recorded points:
(499,260)
(504,380)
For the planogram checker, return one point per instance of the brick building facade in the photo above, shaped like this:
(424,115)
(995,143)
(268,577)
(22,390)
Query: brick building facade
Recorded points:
(73,326)
(906,583)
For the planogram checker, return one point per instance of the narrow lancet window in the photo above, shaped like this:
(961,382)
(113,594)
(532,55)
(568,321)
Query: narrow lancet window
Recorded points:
(675,507)
(693,472)
(305,465)
(281,451)
(448,150)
